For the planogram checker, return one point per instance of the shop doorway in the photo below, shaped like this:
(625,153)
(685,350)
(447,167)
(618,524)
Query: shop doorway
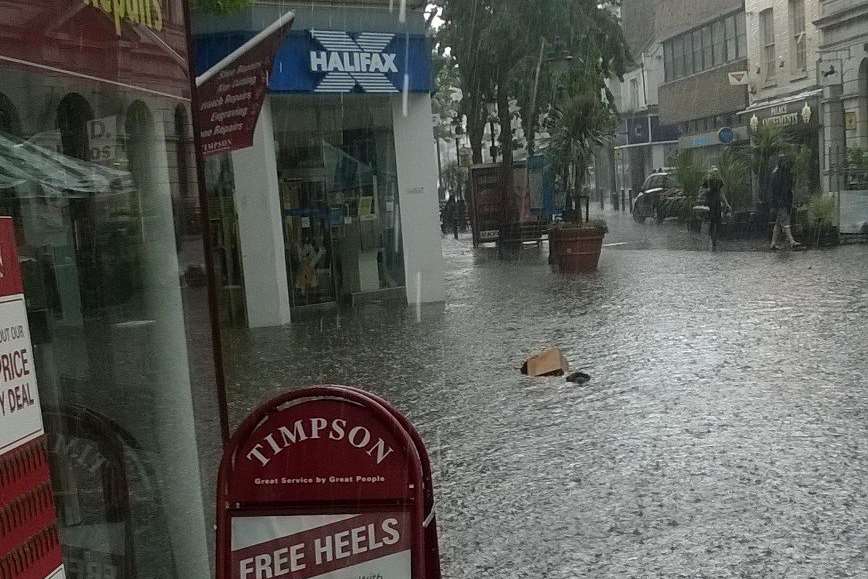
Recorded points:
(339,198)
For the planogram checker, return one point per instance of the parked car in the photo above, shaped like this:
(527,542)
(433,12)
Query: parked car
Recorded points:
(654,190)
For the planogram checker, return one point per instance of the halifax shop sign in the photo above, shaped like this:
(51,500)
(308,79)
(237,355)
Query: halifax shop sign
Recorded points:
(332,62)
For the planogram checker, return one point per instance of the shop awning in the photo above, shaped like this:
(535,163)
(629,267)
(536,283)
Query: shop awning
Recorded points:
(24,162)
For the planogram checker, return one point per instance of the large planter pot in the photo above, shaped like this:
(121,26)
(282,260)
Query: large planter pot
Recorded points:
(576,248)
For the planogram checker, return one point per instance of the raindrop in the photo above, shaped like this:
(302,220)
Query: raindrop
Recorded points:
(418,297)
(405,97)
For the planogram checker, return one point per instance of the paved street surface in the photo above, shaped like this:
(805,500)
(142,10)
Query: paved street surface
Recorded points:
(724,431)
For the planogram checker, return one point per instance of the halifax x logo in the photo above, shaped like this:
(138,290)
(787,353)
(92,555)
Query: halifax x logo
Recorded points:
(349,62)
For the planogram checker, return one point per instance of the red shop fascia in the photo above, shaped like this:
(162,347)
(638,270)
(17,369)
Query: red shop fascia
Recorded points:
(139,44)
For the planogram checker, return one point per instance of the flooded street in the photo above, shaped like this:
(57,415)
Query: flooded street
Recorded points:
(724,431)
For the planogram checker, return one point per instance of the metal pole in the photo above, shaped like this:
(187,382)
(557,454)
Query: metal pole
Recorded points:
(533,96)
(439,169)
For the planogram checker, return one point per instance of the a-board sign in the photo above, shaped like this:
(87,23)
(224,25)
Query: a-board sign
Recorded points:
(29,542)
(324,483)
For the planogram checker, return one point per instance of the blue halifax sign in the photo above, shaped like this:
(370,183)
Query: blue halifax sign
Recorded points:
(332,61)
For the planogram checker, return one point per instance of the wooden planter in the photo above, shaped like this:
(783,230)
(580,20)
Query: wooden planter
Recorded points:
(576,248)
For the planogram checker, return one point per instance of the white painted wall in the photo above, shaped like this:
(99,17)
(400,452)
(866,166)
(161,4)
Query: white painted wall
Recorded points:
(415,156)
(787,80)
(260,227)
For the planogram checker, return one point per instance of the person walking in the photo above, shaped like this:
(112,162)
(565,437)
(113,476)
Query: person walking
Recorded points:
(450,215)
(716,201)
(781,184)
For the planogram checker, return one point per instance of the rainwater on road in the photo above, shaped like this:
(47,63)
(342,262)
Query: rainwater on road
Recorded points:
(724,431)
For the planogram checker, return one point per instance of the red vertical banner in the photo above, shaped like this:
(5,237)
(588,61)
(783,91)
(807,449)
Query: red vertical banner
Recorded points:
(29,541)
(231,94)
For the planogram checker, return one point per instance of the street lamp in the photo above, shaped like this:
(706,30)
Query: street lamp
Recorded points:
(458,127)
(491,109)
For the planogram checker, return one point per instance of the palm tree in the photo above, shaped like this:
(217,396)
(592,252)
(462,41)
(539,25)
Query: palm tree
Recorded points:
(575,126)
(734,171)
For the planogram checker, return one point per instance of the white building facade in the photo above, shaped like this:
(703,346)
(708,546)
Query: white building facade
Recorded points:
(783,87)
(337,200)
(843,74)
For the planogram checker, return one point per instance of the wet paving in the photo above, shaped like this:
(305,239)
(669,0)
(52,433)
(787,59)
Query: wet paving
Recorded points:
(724,431)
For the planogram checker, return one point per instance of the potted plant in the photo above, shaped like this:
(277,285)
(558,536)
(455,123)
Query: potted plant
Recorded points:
(820,220)
(575,126)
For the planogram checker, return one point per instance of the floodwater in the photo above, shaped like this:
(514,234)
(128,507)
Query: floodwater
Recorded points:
(724,431)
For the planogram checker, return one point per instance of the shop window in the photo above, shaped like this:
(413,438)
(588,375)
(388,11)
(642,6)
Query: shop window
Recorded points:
(767,39)
(106,269)
(339,197)
(797,32)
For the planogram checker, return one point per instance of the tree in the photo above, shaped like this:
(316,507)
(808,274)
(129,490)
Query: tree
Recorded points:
(221,6)
(502,46)
(734,172)
(576,125)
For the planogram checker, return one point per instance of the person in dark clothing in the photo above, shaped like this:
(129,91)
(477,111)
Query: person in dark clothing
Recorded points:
(461,212)
(781,203)
(450,214)
(716,200)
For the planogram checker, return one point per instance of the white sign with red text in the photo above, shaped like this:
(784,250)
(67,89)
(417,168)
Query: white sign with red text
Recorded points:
(20,415)
(342,546)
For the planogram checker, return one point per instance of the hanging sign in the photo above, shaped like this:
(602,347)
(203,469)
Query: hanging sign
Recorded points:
(231,93)
(29,543)
(324,482)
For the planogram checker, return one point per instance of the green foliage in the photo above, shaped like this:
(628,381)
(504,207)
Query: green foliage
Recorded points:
(768,144)
(690,172)
(734,171)
(821,209)
(497,47)
(576,126)
(857,158)
(221,7)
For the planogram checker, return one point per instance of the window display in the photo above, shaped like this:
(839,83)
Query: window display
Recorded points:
(338,188)
(97,170)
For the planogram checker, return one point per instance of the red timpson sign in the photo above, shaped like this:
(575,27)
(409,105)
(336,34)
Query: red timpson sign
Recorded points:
(325,483)
(29,545)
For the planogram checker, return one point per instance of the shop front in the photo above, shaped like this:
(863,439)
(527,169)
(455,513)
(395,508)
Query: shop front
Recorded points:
(798,120)
(97,170)
(336,202)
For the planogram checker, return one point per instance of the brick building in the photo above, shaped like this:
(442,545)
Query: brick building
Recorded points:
(702,43)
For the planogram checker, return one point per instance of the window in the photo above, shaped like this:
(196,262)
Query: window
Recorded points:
(719,42)
(697,51)
(634,94)
(687,48)
(767,41)
(741,35)
(678,52)
(731,42)
(708,57)
(667,60)
(797,31)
